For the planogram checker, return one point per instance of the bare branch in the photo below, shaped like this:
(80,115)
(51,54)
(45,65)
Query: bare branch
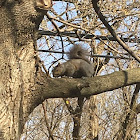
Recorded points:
(102,18)
(70,1)
(75,87)
(87,36)
(131,116)
(47,124)
(138,109)
(93,55)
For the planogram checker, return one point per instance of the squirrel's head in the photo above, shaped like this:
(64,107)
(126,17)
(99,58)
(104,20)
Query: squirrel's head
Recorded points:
(58,70)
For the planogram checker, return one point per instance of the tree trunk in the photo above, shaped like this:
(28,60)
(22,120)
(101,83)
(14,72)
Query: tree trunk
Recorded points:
(19,22)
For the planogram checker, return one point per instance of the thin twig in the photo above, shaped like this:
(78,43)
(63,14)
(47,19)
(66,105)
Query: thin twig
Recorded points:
(58,30)
(45,114)
(93,55)
(118,39)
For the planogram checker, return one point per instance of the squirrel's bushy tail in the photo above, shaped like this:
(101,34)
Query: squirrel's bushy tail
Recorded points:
(78,52)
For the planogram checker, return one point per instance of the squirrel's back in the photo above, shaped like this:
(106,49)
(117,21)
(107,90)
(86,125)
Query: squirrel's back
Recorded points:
(78,66)
(78,52)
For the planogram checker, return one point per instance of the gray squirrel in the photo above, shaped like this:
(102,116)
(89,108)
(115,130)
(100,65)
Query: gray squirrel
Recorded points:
(77,66)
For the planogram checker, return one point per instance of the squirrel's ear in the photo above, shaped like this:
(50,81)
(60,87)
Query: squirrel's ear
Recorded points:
(58,64)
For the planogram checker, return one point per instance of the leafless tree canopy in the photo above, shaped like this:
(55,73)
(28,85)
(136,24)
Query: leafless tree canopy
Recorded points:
(35,35)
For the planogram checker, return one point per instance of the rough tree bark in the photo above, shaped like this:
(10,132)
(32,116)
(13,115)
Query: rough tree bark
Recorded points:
(22,85)
(19,24)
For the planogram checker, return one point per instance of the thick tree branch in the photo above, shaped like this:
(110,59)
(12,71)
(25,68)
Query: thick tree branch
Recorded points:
(71,87)
(102,18)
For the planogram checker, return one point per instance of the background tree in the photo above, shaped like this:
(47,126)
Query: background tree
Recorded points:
(24,85)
